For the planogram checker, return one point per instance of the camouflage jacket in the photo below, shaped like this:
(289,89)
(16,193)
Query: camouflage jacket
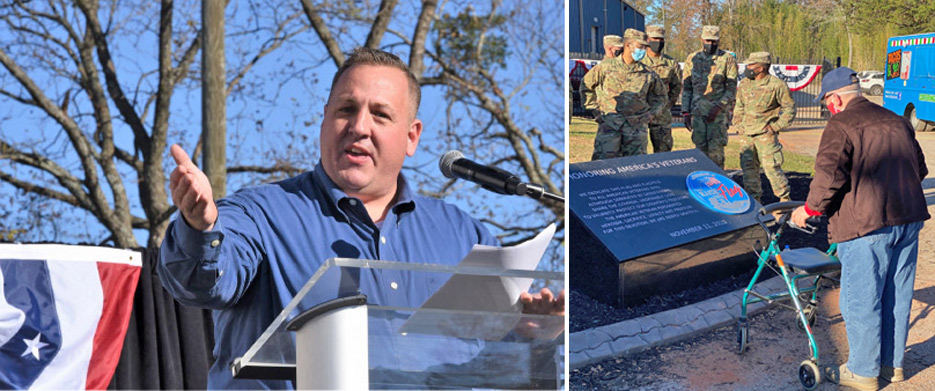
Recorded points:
(708,81)
(587,95)
(763,102)
(625,94)
(670,73)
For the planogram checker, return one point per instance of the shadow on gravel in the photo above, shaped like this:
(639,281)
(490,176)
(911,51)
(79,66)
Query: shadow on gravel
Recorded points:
(923,353)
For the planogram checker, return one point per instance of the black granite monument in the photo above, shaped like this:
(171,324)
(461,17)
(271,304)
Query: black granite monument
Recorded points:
(653,224)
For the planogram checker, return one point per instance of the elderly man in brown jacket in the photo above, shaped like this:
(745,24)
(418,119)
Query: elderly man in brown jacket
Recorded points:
(868,175)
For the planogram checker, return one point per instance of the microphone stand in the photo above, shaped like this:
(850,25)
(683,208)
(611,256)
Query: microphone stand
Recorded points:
(538,192)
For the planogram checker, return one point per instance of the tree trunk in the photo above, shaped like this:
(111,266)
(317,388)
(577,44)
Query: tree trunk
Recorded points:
(213,97)
(850,45)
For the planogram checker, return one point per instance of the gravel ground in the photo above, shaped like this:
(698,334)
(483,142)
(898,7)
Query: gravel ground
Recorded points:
(588,313)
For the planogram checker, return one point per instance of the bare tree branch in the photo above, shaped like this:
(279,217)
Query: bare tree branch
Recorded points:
(324,34)
(64,178)
(380,22)
(187,59)
(78,140)
(43,191)
(417,51)
(20,99)
(141,138)
(524,233)
(268,47)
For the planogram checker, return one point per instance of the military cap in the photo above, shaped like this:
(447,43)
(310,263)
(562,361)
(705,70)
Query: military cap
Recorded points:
(712,33)
(613,40)
(655,31)
(636,35)
(759,58)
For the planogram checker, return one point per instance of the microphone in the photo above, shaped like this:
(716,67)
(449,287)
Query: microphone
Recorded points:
(454,165)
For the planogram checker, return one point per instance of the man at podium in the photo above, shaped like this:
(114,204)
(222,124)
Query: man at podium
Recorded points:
(246,255)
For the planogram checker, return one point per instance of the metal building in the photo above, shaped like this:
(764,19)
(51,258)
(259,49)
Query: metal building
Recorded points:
(590,20)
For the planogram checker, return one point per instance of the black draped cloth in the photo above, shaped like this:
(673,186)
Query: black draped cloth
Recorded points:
(168,345)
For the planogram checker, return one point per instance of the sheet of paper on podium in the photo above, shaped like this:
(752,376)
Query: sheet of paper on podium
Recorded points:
(457,308)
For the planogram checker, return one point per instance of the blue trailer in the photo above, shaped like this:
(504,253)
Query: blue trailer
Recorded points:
(909,89)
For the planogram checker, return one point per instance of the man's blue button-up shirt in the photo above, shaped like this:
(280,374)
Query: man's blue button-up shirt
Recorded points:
(270,239)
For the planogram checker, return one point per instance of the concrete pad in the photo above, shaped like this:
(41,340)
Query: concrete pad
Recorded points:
(636,335)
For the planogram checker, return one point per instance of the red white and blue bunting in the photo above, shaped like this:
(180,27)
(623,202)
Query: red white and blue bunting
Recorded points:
(796,76)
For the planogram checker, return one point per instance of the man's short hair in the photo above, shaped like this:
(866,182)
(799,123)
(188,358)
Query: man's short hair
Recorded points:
(376,57)
(850,89)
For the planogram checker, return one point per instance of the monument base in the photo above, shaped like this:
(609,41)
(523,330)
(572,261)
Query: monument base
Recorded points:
(595,272)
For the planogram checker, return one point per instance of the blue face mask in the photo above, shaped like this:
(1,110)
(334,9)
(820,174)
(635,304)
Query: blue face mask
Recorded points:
(638,54)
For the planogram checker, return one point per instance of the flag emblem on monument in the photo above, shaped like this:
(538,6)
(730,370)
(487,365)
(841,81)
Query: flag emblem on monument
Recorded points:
(717,192)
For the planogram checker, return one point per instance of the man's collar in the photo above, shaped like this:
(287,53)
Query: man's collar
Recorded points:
(404,201)
(856,101)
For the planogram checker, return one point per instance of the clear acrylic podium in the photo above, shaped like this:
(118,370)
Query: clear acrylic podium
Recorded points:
(360,324)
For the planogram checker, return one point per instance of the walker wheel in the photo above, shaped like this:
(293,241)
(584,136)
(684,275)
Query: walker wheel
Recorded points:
(809,375)
(811,315)
(741,336)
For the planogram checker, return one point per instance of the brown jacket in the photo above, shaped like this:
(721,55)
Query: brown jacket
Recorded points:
(868,172)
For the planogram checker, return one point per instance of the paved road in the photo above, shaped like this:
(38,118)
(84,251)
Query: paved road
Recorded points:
(709,361)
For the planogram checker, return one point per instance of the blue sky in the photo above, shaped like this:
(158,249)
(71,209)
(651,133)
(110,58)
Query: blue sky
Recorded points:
(278,109)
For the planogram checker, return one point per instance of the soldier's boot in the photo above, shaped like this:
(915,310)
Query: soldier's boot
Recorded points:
(777,214)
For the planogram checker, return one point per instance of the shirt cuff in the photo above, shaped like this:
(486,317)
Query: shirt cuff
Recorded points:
(811,212)
(196,243)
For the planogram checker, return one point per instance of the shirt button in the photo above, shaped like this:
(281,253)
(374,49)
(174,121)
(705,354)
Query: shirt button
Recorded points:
(215,242)
(383,239)
(394,286)
(353,202)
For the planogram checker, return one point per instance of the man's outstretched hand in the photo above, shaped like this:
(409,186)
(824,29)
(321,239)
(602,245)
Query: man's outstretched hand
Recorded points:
(191,192)
(542,303)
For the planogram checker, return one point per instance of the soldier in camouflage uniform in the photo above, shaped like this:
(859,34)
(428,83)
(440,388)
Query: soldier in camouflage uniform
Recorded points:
(669,71)
(613,46)
(626,96)
(709,84)
(764,107)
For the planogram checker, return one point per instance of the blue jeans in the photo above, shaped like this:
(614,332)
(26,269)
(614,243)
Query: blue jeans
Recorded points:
(877,275)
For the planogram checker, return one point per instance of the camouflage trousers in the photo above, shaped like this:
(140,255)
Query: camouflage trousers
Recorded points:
(711,137)
(625,141)
(763,150)
(661,137)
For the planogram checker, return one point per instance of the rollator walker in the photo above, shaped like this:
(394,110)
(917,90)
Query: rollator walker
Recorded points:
(793,265)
